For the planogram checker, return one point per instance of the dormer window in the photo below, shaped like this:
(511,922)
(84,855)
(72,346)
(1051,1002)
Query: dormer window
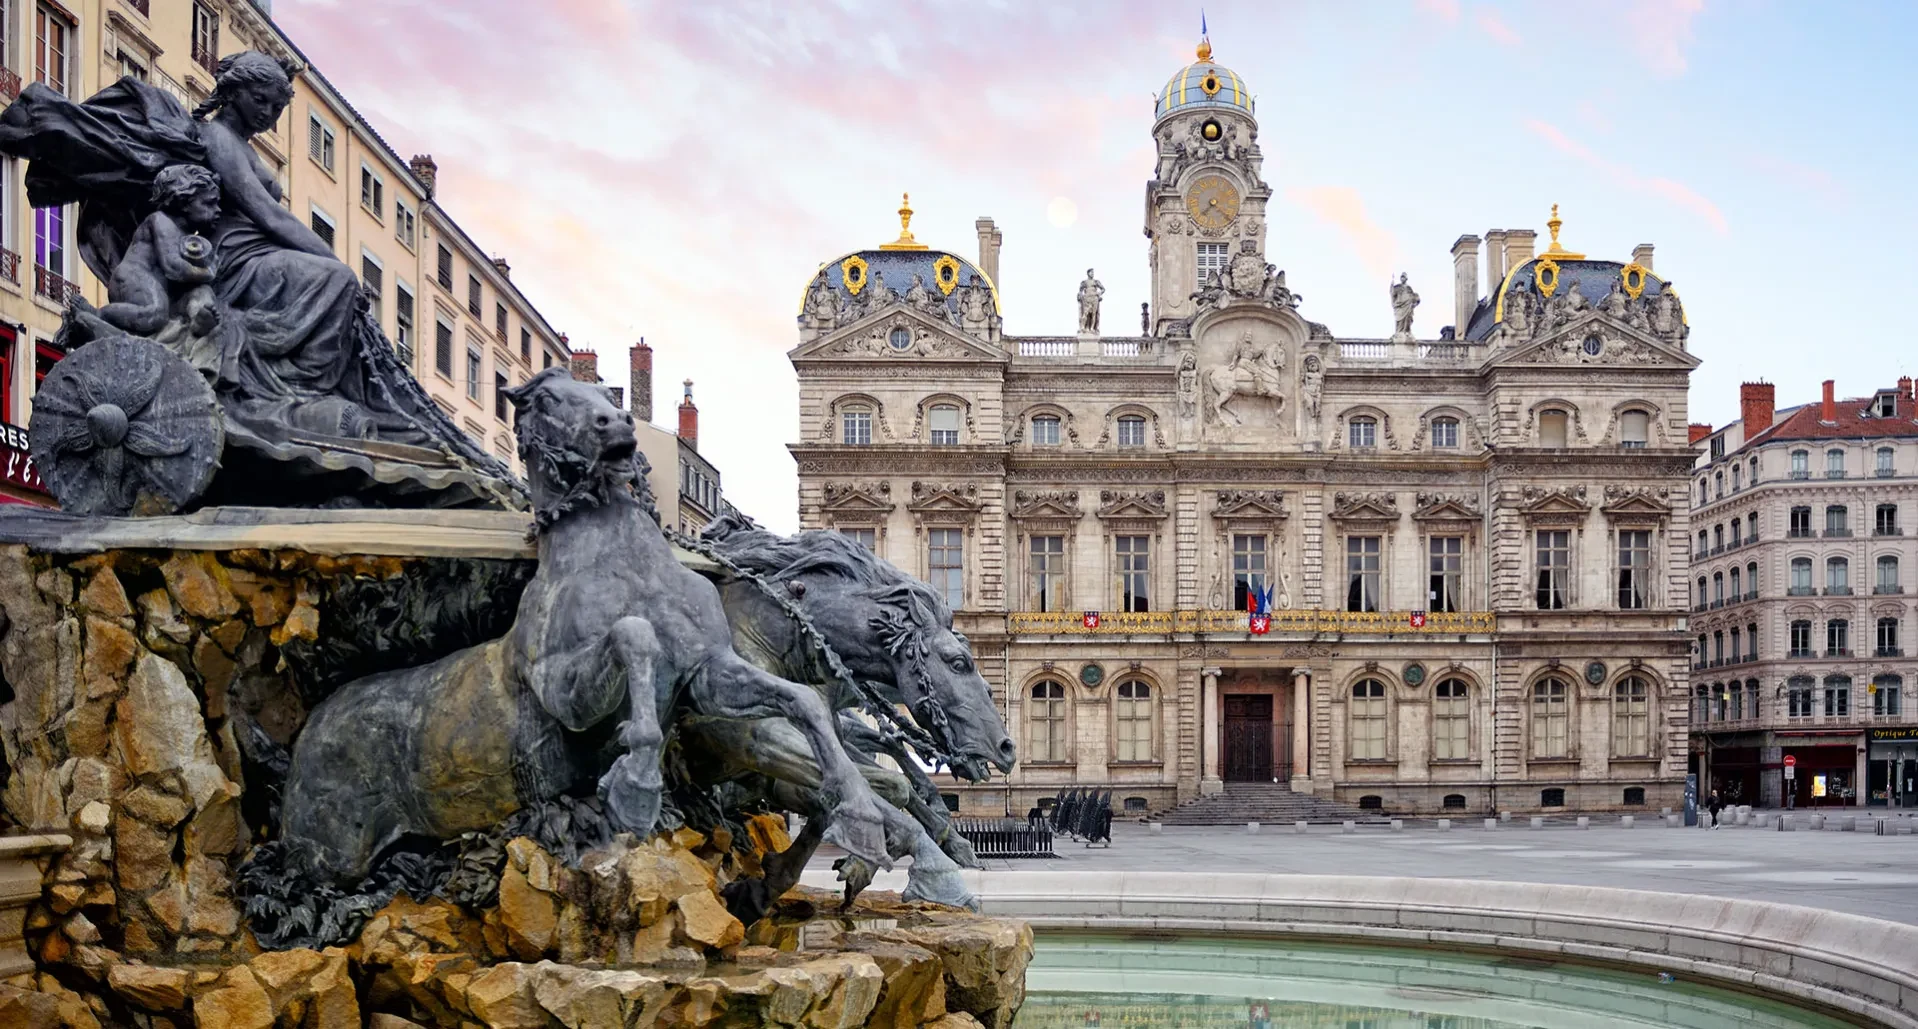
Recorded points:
(943,421)
(1884,405)
(1045,431)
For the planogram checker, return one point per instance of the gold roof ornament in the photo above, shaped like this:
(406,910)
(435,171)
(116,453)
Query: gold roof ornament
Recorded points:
(1556,251)
(1205,50)
(905,240)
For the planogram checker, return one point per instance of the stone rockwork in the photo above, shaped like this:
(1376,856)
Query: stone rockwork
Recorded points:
(149,689)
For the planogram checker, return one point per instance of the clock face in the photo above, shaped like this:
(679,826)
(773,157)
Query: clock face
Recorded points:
(1213,202)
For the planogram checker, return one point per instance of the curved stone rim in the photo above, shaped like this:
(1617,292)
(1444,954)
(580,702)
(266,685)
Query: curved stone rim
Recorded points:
(1867,967)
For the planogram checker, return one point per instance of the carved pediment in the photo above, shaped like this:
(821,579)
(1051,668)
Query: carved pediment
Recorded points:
(1365,507)
(872,337)
(1134,504)
(848,501)
(1447,507)
(932,498)
(1262,505)
(1594,338)
(1559,505)
(1642,503)
(1045,505)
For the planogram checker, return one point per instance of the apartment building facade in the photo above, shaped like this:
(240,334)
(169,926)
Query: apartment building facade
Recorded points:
(448,304)
(1806,524)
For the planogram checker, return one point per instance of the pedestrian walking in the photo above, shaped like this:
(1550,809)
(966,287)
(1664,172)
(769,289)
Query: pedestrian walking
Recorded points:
(1715,805)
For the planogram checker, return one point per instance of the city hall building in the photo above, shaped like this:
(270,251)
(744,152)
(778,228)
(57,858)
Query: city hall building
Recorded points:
(1475,547)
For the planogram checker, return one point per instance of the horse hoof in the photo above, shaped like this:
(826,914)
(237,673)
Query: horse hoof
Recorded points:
(631,792)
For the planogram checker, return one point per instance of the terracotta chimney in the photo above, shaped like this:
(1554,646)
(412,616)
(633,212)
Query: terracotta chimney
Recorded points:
(619,395)
(1697,431)
(505,270)
(689,418)
(1757,403)
(1829,412)
(427,171)
(584,365)
(642,381)
(1904,388)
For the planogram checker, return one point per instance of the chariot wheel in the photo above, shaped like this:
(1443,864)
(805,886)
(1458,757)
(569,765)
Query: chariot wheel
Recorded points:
(123,426)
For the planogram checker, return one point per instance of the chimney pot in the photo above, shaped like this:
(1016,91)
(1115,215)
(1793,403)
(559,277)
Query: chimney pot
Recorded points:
(1828,412)
(642,381)
(1697,431)
(1757,406)
(584,364)
(427,171)
(689,419)
(1904,387)
(505,270)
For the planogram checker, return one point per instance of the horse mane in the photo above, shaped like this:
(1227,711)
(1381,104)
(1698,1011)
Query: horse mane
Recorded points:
(564,481)
(781,559)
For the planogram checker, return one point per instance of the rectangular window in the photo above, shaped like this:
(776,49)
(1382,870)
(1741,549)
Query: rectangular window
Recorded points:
(323,227)
(500,403)
(1368,721)
(403,319)
(1886,523)
(1248,570)
(1635,569)
(943,422)
(1634,429)
(1132,431)
(499,321)
(1446,560)
(1887,637)
(1212,257)
(1798,699)
(856,425)
(1800,639)
(1837,698)
(405,223)
(443,348)
(1362,433)
(445,268)
(375,280)
(1837,638)
(1362,573)
(1047,566)
(130,66)
(474,361)
(946,565)
(1045,432)
(868,538)
(1549,720)
(1834,464)
(1133,711)
(473,305)
(1884,700)
(52,44)
(1451,722)
(1135,572)
(372,193)
(1551,429)
(1046,723)
(7,342)
(1445,433)
(50,239)
(1799,525)
(1632,718)
(319,141)
(526,350)
(1554,569)
(206,39)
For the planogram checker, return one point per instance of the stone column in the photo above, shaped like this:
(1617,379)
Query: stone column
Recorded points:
(1209,781)
(1301,731)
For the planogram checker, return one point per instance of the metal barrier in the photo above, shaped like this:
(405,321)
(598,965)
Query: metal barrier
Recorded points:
(1005,837)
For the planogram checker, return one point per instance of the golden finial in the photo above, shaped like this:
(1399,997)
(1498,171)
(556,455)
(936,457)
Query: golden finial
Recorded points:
(1556,251)
(905,240)
(1205,50)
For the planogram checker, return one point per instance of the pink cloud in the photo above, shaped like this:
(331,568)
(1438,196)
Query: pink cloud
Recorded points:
(1444,10)
(1675,192)
(1344,209)
(1660,30)
(1492,25)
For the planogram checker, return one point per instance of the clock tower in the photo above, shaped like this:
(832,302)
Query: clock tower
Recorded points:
(1205,196)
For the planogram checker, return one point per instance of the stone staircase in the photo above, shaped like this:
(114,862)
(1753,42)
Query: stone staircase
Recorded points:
(1266,803)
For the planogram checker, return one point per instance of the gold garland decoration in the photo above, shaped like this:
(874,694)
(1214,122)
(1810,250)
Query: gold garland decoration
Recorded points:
(1545,275)
(945,274)
(853,271)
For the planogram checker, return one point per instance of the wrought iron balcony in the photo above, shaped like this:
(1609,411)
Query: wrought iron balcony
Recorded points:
(1881,589)
(206,58)
(1292,622)
(141,6)
(9,265)
(1837,651)
(1798,533)
(1801,591)
(1889,652)
(1840,533)
(53,287)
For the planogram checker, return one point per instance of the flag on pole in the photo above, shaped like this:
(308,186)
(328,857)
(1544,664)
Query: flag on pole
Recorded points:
(1258,606)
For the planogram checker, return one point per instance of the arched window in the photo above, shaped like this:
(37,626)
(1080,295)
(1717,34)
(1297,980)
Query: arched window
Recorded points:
(1751,527)
(1751,641)
(1837,576)
(1737,589)
(1454,802)
(1045,430)
(1362,432)
(1885,467)
(1837,520)
(1131,431)
(1834,463)
(1718,484)
(1634,429)
(1754,474)
(855,421)
(1452,721)
(1445,433)
(1718,589)
(1751,580)
(943,421)
(1837,637)
(1368,720)
(1632,717)
(1887,576)
(1551,718)
(1800,577)
(1738,478)
(1798,522)
(1738,532)
(1702,598)
(1718,537)
(1134,710)
(1801,464)
(1046,723)
(1552,423)
(1704,543)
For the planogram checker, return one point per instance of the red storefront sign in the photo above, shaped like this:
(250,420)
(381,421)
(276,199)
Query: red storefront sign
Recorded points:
(16,460)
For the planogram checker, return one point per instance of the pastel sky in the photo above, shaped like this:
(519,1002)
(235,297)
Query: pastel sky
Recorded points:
(678,170)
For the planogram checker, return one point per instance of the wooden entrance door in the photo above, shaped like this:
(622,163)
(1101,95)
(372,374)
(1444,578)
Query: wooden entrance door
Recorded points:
(1248,737)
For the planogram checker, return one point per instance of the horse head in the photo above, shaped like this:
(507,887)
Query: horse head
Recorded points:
(889,629)
(578,446)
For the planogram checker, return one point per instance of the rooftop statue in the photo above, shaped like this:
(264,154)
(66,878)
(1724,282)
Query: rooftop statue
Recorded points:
(183,222)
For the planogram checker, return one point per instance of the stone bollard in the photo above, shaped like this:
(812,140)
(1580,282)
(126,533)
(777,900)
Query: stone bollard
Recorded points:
(1298,826)
(1626,821)
(1760,821)
(1584,821)
(1398,825)
(1348,826)
(1904,830)
(1251,827)
(1538,821)
(1504,816)
(1154,828)
(1445,825)
(1817,822)
(1785,824)
(1849,823)
(1665,812)
(1491,823)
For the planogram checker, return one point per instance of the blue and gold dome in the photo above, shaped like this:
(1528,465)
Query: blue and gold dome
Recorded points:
(945,276)
(1204,84)
(1559,268)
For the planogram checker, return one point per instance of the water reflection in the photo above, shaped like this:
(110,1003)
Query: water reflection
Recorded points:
(1080,981)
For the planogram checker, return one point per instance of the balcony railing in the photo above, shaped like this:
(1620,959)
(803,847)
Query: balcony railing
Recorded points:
(1047,348)
(1798,654)
(1717,550)
(1799,534)
(1700,555)
(1889,652)
(53,287)
(1834,473)
(1838,533)
(1801,591)
(9,265)
(1303,622)
(1365,351)
(141,6)
(206,58)
(1882,589)
(1888,530)
(1885,473)
(1838,591)
(1800,473)
(1718,603)
(1837,651)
